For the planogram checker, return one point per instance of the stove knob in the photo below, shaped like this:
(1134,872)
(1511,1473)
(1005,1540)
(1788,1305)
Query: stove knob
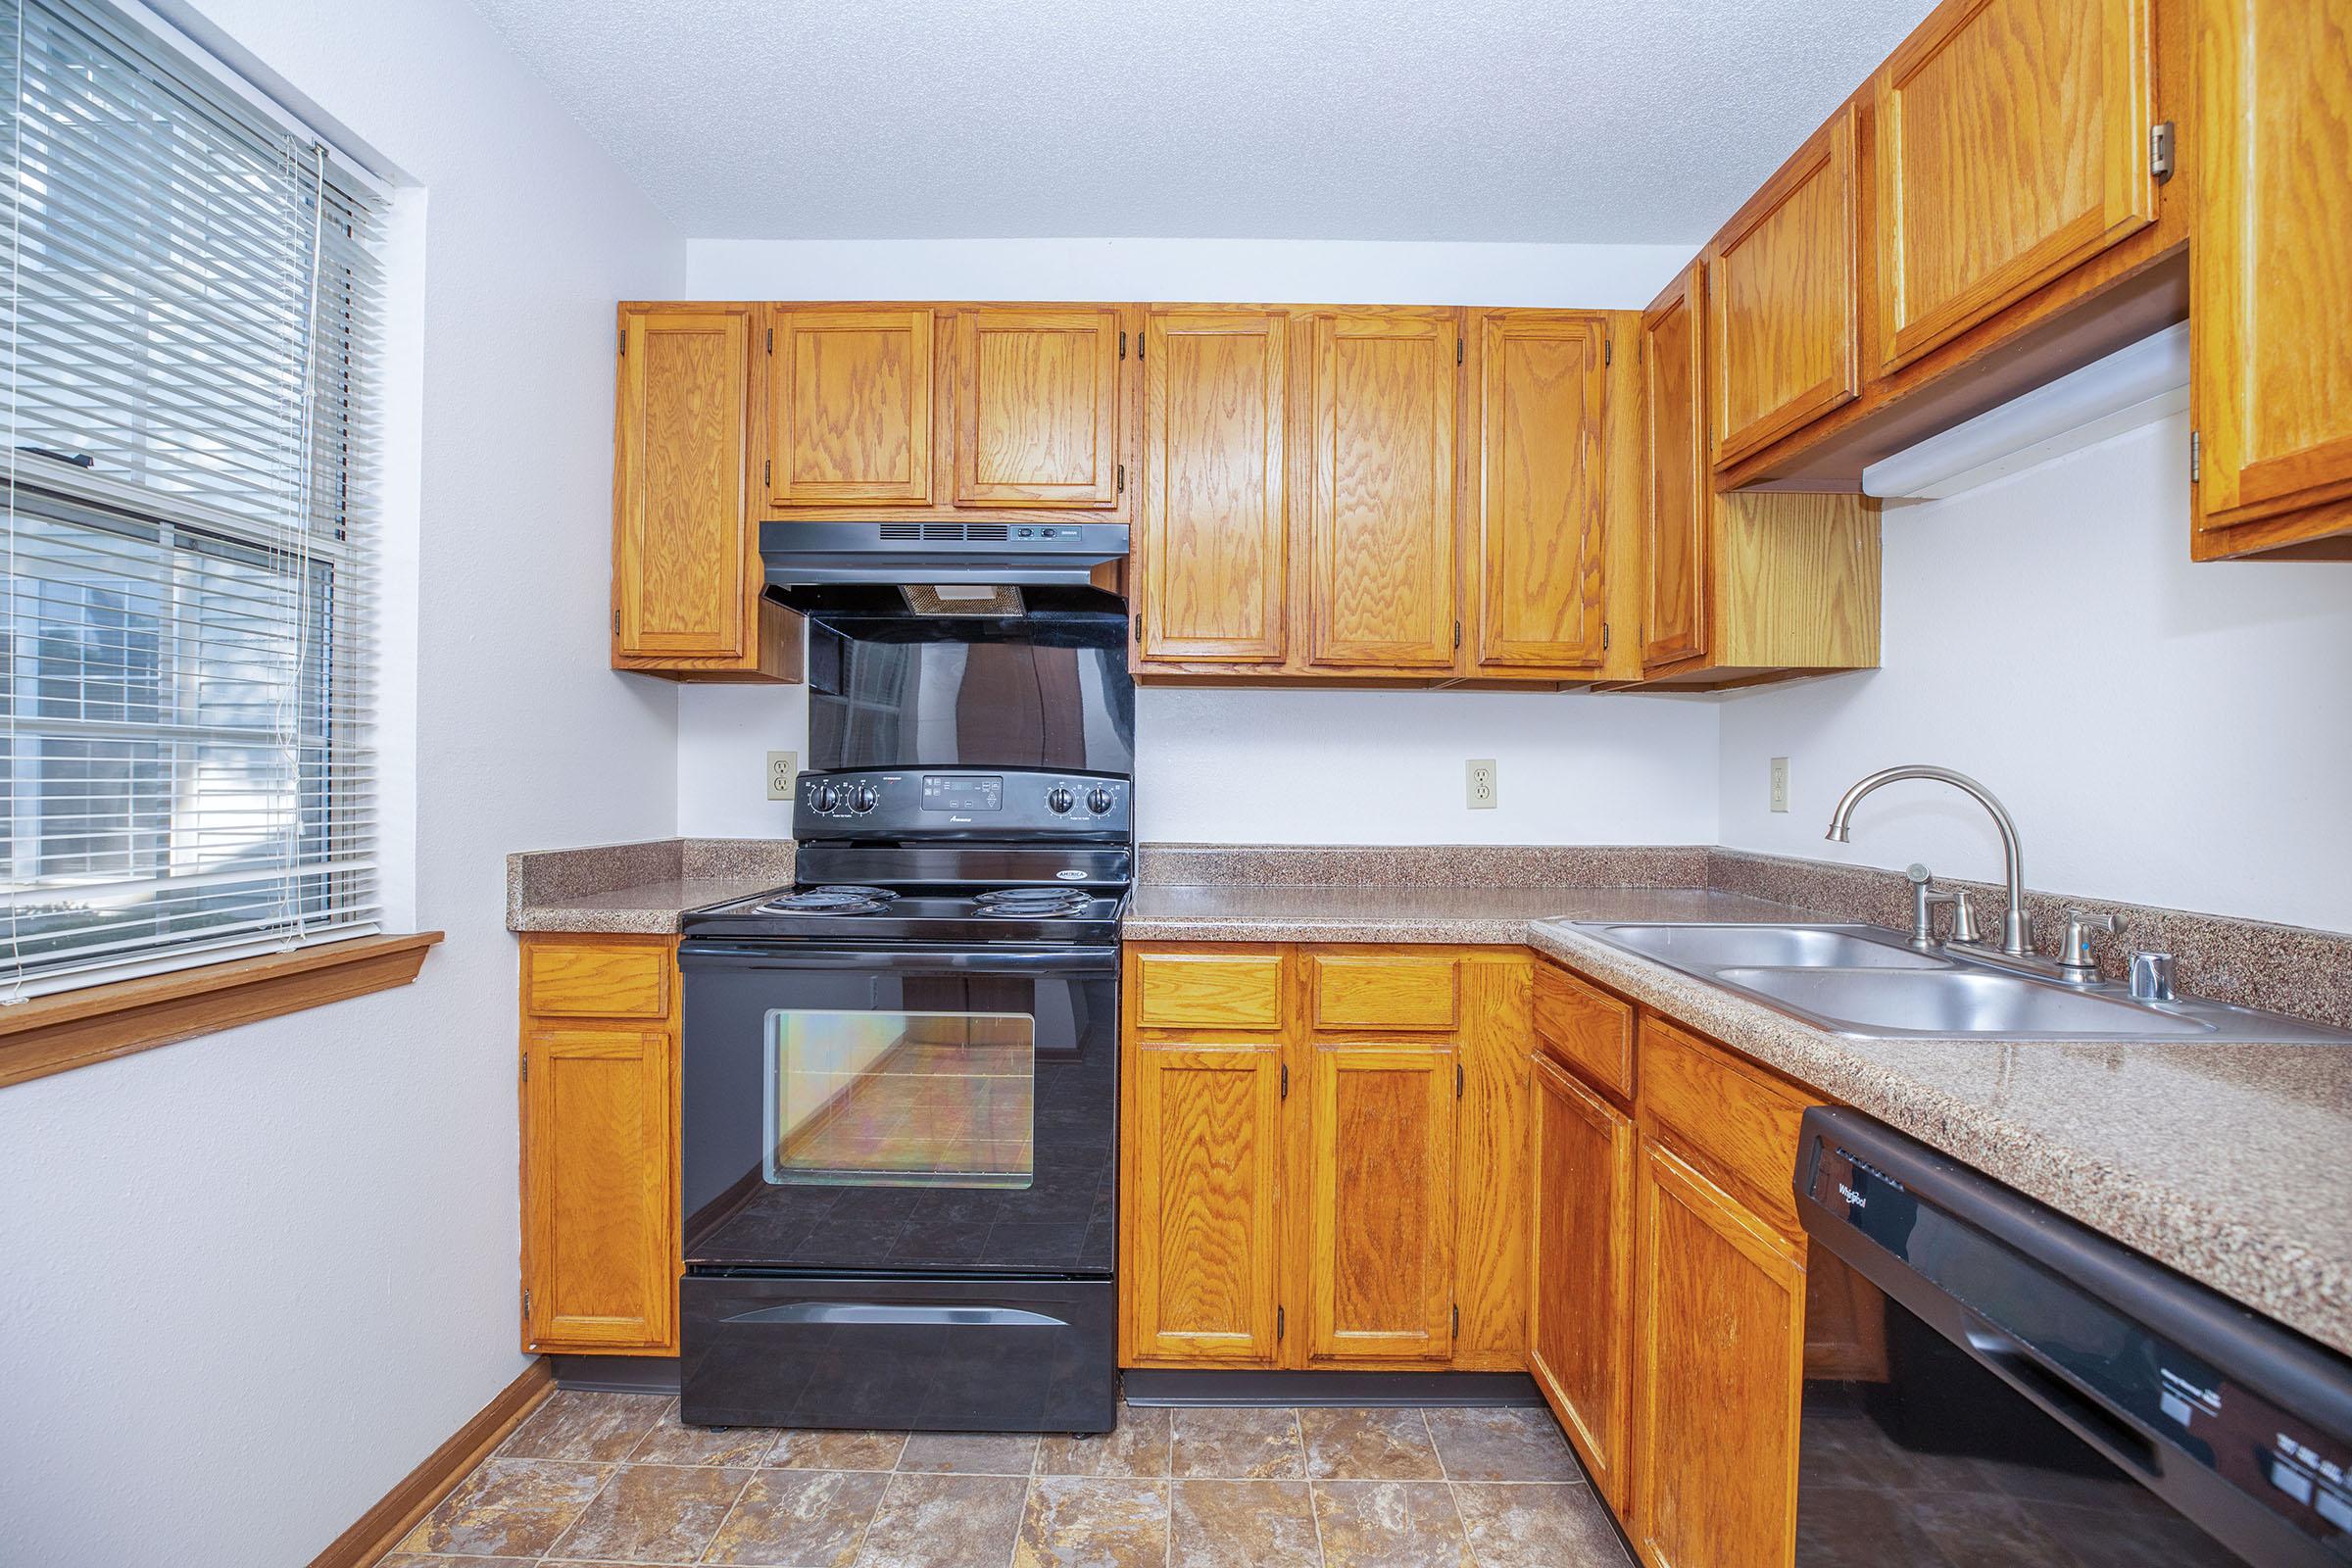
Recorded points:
(1100,801)
(827,798)
(862,798)
(1058,799)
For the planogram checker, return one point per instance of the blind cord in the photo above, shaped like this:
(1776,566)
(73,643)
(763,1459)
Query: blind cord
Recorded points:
(297,929)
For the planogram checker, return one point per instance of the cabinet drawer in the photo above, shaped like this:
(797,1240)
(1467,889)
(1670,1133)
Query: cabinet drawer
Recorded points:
(1352,991)
(596,981)
(1208,990)
(1736,1125)
(1586,1028)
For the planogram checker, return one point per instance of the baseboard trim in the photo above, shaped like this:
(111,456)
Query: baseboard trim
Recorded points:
(1422,1389)
(378,1530)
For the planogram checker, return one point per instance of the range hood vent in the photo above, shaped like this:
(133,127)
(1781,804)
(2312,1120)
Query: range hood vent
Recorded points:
(896,555)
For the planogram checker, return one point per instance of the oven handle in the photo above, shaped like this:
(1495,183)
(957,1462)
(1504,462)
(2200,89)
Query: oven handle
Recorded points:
(712,954)
(897,1314)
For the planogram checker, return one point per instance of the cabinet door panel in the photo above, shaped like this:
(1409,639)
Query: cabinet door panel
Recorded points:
(1036,407)
(850,392)
(600,1201)
(1490,1178)
(1782,299)
(2012,145)
(1380,1227)
(1679,495)
(1541,487)
(1203,1152)
(1214,542)
(1718,1375)
(681,561)
(2271,301)
(1382,594)
(1580,1308)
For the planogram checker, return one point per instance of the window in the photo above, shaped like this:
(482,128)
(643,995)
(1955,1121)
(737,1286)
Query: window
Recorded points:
(189,332)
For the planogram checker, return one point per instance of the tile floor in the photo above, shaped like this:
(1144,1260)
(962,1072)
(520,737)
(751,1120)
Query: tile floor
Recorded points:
(603,1479)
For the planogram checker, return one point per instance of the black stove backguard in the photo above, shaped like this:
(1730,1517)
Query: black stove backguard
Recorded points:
(1048,688)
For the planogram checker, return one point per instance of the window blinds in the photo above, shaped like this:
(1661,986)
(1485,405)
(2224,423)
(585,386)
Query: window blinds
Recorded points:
(188,331)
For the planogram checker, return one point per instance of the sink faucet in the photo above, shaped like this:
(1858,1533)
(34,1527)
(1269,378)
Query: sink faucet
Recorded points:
(2017,927)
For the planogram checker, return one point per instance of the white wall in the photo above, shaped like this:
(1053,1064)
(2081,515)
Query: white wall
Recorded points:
(2163,732)
(248,1282)
(1573,768)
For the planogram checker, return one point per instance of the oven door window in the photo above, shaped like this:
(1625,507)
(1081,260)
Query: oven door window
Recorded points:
(878,1099)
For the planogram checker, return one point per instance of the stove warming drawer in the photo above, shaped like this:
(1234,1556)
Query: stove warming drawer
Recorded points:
(927,1354)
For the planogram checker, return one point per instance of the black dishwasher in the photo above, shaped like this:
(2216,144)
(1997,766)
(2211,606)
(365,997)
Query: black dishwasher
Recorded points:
(2029,1391)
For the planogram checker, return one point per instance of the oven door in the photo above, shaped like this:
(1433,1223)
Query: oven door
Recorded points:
(895,1110)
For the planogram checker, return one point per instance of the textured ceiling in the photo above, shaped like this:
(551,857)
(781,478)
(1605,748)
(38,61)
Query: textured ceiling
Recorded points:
(1487,120)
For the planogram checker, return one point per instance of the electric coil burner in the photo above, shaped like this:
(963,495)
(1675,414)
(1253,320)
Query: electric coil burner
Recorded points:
(899,1080)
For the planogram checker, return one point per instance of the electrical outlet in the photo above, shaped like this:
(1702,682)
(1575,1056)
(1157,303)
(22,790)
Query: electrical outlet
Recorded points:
(1780,783)
(1479,782)
(782,767)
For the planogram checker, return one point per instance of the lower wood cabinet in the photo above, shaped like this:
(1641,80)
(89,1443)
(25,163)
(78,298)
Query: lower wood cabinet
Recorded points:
(599,1086)
(1581,1269)
(1323,1157)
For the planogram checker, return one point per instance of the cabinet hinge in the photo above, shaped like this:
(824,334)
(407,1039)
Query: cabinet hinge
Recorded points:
(1457,1320)
(771,340)
(1457,1080)
(1604,636)
(1278,1325)
(2160,150)
(1609,352)
(1457,351)
(2197,455)
(1285,1080)
(526,1062)
(526,1306)
(768,470)
(1139,629)
(1458,634)
(1122,345)
(616,621)
(1122,479)
(1139,348)
(624,342)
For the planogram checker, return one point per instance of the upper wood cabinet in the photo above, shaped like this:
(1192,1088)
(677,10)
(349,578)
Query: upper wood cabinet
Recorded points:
(1539,550)
(686,579)
(2271,383)
(1380,1196)
(1784,297)
(1212,545)
(1036,407)
(1678,493)
(600,1118)
(850,407)
(1381,591)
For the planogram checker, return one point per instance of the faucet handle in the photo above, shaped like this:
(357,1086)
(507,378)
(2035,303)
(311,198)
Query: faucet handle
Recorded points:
(2074,956)
(2152,976)
(1964,917)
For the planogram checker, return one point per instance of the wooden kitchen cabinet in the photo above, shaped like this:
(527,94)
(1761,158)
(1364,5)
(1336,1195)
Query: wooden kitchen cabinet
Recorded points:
(687,585)
(2271,285)
(1211,560)
(1038,404)
(1200,1152)
(598,1077)
(1379,568)
(1784,297)
(2012,145)
(1536,547)
(1326,1193)
(850,411)
(1579,1331)
(1678,499)
(1718,1375)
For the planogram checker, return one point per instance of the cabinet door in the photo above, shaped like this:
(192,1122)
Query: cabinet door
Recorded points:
(1382,589)
(1203,1163)
(1490,1176)
(2012,145)
(1677,492)
(1211,558)
(1036,407)
(1539,544)
(850,401)
(599,1198)
(1718,1374)
(1782,300)
(2271,302)
(1380,1197)
(1580,1308)
(681,559)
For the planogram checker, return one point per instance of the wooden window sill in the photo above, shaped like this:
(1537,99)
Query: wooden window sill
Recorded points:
(76,1028)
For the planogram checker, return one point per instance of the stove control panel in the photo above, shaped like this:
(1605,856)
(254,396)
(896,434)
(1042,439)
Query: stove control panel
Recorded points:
(960,803)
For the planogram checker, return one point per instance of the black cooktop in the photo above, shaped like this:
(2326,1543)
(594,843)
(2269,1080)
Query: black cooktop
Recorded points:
(865,913)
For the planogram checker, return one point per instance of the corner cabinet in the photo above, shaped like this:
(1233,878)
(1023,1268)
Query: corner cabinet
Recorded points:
(1323,1158)
(598,1080)
(2270,282)
(688,592)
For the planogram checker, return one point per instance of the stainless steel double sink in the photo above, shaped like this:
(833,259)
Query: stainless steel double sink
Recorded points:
(1871,982)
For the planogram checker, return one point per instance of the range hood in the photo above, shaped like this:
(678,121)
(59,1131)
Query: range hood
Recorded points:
(933,553)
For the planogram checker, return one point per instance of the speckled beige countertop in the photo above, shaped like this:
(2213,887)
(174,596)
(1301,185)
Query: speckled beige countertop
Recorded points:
(638,888)
(2228,1162)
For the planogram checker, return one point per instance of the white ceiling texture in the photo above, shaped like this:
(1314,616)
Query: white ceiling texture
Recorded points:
(1563,120)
